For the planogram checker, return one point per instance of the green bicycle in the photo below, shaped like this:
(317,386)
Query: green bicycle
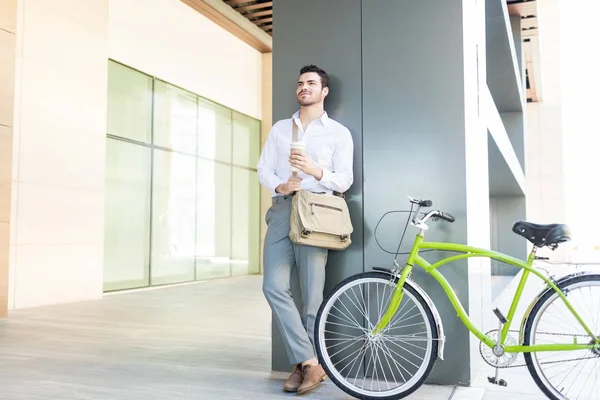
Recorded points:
(378,334)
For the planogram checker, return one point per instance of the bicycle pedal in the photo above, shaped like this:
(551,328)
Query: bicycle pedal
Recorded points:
(499,382)
(500,316)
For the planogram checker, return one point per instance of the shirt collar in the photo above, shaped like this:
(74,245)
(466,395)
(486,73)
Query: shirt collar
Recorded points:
(324,118)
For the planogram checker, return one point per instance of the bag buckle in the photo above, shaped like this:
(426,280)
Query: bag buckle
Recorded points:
(305,233)
(344,238)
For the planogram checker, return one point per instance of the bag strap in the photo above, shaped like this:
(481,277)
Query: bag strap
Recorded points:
(294,131)
(294,139)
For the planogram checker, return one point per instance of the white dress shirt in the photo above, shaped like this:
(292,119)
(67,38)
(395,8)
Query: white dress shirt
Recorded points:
(328,144)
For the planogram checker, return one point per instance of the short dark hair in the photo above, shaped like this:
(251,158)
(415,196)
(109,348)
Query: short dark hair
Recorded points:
(320,71)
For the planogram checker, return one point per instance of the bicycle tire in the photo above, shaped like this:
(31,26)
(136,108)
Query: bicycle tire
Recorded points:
(429,317)
(540,306)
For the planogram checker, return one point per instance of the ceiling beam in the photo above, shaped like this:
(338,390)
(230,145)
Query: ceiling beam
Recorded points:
(258,14)
(232,2)
(231,20)
(255,6)
(261,21)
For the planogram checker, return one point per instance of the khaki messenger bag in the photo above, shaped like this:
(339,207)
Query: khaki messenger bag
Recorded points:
(319,219)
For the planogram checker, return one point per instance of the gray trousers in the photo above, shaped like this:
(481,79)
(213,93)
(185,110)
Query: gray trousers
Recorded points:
(281,255)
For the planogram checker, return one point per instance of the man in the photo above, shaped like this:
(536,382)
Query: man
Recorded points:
(325,166)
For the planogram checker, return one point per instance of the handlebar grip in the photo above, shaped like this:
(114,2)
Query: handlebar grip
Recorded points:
(446,217)
(425,203)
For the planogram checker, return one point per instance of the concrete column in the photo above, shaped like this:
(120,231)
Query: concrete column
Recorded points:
(505,210)
(412,107)
(8,27)
(423,137)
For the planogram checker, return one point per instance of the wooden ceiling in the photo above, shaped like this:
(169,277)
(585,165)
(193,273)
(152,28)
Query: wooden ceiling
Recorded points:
(259,12)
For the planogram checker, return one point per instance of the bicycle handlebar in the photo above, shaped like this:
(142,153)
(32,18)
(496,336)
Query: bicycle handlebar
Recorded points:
(420,203)
(430,214)
(445,216)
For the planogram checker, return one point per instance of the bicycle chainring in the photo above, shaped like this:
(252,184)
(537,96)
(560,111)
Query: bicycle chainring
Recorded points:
(503,360)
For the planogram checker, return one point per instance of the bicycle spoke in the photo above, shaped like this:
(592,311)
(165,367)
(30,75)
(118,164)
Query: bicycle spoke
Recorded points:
(347,326)
(403,320)
(388,363)
(351,319)
(363,349)
(359,309)
(363,311)
(389,351)
(406,342)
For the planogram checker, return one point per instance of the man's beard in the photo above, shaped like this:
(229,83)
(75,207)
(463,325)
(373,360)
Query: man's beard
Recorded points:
(307,102)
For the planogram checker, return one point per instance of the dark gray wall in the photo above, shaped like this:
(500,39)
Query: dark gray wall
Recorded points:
(515,129)
(414,143)
(306,34)
(504,211)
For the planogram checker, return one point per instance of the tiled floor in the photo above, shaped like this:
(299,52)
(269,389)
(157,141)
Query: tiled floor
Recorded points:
(201,341)
(207,340)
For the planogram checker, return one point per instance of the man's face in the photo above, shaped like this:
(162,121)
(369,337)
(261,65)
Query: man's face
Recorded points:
(309,90)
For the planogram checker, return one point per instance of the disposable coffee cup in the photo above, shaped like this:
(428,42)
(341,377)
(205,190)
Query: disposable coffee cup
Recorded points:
(297,146)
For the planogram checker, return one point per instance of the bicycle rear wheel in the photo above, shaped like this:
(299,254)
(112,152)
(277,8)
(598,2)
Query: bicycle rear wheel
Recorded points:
(390,365)
(566,375)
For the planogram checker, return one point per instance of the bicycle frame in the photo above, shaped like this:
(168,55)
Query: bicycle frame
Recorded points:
(468,252)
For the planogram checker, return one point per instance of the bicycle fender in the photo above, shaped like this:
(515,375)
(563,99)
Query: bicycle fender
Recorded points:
(436,316)
(559,284)
(429,302)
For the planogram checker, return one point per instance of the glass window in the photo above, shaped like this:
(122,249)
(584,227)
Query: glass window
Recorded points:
(175,118)
(127,216)
(213,237)
(182,192)
(173,217)
(245,240)
(246,140)
(129,103)
(214,131)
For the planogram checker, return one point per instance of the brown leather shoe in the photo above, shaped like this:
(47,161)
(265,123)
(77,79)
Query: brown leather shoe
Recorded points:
(313,376)
(294,381)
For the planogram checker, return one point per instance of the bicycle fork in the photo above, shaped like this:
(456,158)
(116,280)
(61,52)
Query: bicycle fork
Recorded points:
(398,294)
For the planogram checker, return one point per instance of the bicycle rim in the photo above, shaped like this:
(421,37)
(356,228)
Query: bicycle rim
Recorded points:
(575,374)
(390,365)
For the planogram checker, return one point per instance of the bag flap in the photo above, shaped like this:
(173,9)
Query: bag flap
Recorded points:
(323,213)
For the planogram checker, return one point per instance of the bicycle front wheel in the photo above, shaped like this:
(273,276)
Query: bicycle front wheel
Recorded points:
(574,374)
(389,365)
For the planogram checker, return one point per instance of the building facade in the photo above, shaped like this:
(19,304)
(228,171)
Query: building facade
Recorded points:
(130,130)
(129,148)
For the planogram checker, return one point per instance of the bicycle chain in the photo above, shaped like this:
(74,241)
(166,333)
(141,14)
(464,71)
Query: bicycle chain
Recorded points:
(546,362)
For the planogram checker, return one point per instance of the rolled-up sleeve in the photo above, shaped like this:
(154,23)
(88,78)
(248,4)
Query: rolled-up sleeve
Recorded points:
(342,176)
(267,165)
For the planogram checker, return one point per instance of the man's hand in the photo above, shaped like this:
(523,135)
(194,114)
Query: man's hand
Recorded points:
(302,161)
(292,185)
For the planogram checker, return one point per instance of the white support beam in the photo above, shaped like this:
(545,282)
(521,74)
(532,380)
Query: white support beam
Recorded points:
(513,54)
(500,136)
(504,77)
